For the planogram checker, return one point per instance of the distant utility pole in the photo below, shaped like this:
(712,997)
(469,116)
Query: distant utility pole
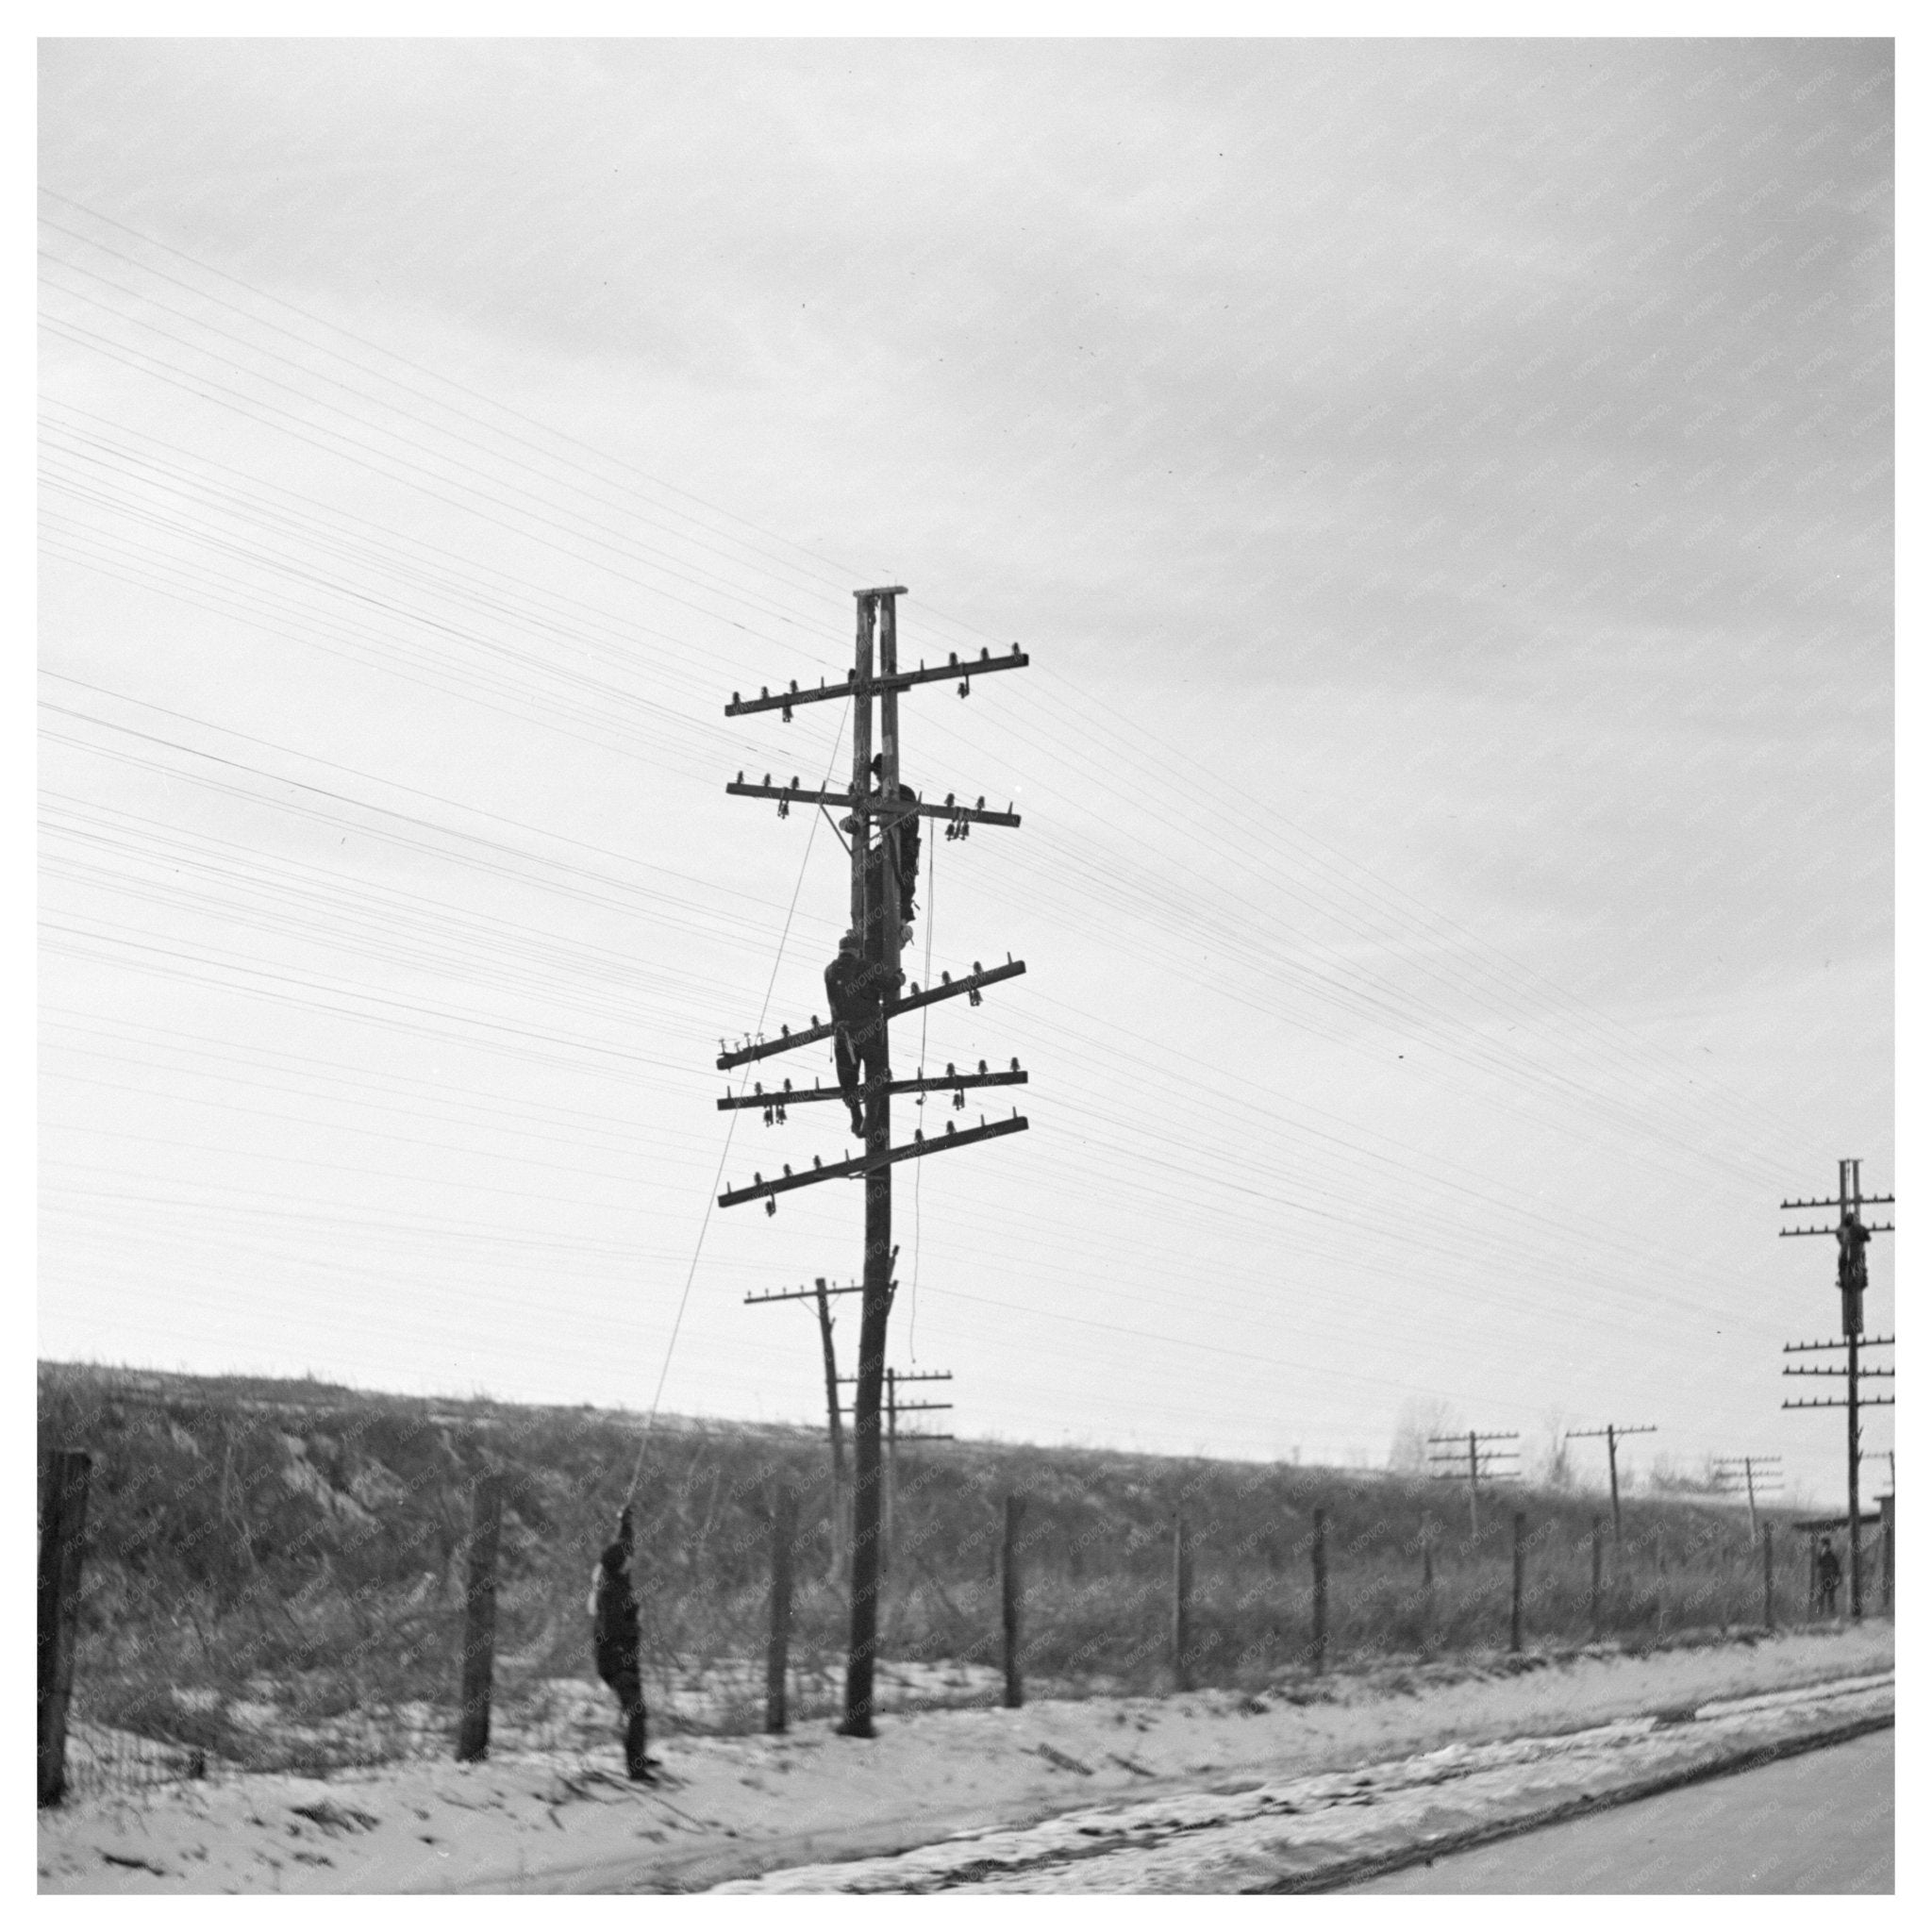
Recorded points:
(895,1380)
(1609,1432)
(1852,1234)
(1470,1463)
(835,1426)
(881,808)
(1761,1475)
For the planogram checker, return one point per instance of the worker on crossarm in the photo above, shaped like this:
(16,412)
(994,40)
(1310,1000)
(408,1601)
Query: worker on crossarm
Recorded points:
(614,1640)
(902,838)
(1853,1238)
(897,847)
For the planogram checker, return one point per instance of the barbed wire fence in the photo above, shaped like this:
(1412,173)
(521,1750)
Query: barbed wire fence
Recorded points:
(272,1591)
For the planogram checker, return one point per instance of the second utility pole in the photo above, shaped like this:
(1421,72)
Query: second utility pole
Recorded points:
(1852,1235)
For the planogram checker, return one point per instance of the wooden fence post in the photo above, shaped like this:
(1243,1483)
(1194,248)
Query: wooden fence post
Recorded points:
(1887,1508)
(1429,1587)
(1183,1586)
(783,1529)
(1318,1649)
(64,1524)
(1516,1555)
(1770,1600)
(1596,1579)
(1010,1603)
(479,1621)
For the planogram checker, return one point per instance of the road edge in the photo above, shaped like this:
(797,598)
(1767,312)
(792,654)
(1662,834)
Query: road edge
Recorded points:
(1339,1876)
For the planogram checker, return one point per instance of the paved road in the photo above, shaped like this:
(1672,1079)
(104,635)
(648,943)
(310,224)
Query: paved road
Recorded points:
(1818,1822)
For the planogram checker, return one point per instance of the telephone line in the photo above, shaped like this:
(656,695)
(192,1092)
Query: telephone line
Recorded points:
(363,454)
(1087,698)
(824,585)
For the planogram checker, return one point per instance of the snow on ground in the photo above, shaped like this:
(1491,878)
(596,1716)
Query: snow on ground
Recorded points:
(737,1807)
(1249,1835)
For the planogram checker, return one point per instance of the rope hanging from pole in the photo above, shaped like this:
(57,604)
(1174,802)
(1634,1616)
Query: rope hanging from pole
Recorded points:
(725,1153)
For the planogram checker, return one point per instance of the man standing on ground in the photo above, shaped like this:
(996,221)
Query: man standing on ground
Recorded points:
(1829,1574)
(614,1637)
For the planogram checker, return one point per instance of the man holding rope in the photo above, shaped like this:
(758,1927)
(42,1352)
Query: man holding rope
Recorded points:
(614,1639)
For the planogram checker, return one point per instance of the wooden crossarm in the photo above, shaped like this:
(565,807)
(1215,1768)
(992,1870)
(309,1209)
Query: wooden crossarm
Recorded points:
(761,1189)
(789,1095)
(1015,660)
(796,794)
(946,989)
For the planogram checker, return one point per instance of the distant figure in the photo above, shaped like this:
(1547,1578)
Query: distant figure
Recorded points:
(1829,1575)
(614,1637)
(852,987)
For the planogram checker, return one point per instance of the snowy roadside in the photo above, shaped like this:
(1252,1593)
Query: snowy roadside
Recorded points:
(1309,1833)
(737,1807)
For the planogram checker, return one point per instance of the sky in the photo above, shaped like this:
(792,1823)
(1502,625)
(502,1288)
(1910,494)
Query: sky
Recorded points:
(1444,492)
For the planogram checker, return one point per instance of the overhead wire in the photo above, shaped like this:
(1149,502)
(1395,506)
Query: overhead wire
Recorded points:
(708,581)
(1638,1123)
(812,566)
(1109,882)
(1086,699)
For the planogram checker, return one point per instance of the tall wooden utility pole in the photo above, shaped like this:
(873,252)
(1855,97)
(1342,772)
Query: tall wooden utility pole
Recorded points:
(1609,1432)
(878,808)
(1852,1235)
(1468,1462)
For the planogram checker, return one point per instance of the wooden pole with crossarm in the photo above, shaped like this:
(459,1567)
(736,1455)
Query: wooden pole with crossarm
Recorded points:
(1610,1432)
(1469,1461)
(1852,1233)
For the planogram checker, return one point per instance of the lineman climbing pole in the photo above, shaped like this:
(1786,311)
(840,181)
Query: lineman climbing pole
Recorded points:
(878,806)
(1852,1235)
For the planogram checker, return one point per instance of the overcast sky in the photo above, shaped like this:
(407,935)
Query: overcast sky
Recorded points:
(1444,489)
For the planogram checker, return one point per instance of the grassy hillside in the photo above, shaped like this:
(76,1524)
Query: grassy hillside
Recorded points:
(275,1570)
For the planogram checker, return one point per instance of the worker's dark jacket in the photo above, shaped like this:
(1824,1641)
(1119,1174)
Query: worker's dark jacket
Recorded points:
(1828,1572)
(906,834)
(901,845)
(614,1617)
(851,985)
(1852,1238)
